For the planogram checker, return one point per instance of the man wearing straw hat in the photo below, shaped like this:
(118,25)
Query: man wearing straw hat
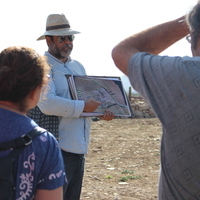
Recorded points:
(56,100)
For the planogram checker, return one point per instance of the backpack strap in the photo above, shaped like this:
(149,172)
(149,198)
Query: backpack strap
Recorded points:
(24,140)
(8,163)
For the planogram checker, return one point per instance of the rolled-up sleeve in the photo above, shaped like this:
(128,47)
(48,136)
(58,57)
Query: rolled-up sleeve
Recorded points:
(52,104)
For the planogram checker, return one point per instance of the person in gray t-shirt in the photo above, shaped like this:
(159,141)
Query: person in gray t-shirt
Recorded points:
(171,85)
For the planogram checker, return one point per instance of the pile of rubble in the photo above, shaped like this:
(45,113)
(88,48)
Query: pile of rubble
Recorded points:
(140,108)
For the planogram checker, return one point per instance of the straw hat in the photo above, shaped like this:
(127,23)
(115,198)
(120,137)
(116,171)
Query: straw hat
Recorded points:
(57,25)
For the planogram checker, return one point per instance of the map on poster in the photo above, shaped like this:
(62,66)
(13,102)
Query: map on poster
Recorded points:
(107,90)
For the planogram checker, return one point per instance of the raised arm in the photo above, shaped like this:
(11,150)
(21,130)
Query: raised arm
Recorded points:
(153,40)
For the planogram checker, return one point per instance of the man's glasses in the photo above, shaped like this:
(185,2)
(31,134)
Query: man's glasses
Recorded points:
(62,39)
(188,38)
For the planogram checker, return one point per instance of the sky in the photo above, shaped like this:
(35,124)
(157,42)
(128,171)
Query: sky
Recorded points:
(102,23)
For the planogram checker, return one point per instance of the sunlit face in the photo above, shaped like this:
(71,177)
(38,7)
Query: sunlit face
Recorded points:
(60,47)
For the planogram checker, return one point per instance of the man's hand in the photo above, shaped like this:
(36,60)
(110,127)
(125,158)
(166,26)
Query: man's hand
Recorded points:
(91,105)
(108,115)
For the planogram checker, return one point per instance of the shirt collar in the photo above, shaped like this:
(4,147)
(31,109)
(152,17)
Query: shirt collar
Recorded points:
(57,60)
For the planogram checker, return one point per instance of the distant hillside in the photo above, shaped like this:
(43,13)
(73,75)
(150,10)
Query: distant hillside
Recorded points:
(126,84)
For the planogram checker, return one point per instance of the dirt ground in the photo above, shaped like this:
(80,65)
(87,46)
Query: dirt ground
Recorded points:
(123,160)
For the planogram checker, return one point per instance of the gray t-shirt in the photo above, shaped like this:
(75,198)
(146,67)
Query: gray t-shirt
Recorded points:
(171,85)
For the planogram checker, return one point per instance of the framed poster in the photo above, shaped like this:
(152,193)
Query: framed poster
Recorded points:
(107,90)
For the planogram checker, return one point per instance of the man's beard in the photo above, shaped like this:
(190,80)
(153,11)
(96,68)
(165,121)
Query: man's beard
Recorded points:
(58,53)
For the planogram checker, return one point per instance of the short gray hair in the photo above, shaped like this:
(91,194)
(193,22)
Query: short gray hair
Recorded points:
(193,21)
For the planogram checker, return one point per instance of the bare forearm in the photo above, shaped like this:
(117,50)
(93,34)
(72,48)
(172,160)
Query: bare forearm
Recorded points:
(153,40)
(160,37)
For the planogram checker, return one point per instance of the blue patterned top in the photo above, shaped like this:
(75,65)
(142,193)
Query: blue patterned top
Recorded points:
(40,165)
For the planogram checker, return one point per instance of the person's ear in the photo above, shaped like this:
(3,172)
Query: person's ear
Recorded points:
(48,40)
(34,97)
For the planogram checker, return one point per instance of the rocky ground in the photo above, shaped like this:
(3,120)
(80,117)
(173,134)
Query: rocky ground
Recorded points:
(123,160)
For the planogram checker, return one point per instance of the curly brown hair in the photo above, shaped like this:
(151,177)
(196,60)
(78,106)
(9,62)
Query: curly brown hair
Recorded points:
(22,70)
